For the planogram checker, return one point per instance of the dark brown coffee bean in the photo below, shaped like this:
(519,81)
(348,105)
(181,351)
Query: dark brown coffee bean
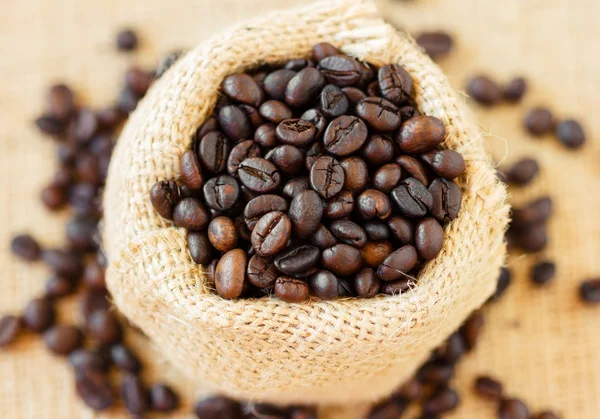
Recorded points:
(447,200)
(323,238)
(387,177)
(420,134)
(488,387)
(504,280)
(327,176)
(190,214)
(138,80)
(235,123)
(294,186)
(379,113)
(374,253)
(522,172)
(124,359)
(317,118)
(484,90)
(230,274)
(243,231)
(222,233)
(253,115)
(265,136)
(60,102)
(446,163)
(303,413)
(297,259)
(515,89)
(436,373)
(84,126)
(163,398)
(339,206)
(323,50)
(407,112)
(412,198)
(167,62)
(354,95)
(546,415)
(87,169)
(275,111)
(589,291)
(342,259)
(349,232)
(81,233)
(261,272)
(10,327)
(324,285)
(200,248)
(298,64)
(530,239)
(412,167)
(306,211)
(436,44)
(378,150)
(373,204)
(94,389)
(395,83)
(134,395)
(411,390)
(388,409)
(63,339)
(453,349)
(340,70)
(535,212)
(276,82)
(304,87)
(211,271)
(271,233)
(93,275)
(213,152)
(471,329)
(442,401)
(356,174)
(242,151)
(243,88)
(512,409)
(345,288)
(50,125)
(376,230)
(127,101)
(345,135)
(397,287)
(295,131)
(398,264)
(221,193)
(366,284)
(367,76)
(333,101)
(402,229)
(218,408)
(127,40)
(104,327)
(261,205)
(315,151)
(539,121)
(259,174)
(570,133)
(53,197)
(543,273)
(288,159)
(26,247)
(92,300)
(88,359)
(291,290)
(429,238)
(38,315)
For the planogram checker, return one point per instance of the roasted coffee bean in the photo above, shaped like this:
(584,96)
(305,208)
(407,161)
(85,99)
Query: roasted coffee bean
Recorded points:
(378,150)
(243,231)
(345,288)
(420,134)
(397,287)
(442,401)
(535,212)
(291,290)
(271,233)
(87,168)
(445,163)
(213,152)
(379,113)
(530,239)
(340,70)
(411,390)
(223,234)
(259,174)
(388,409)
(354,95)
(60,102)
(276,82)
(323,238)
(243,88)
(453,349)
(200,247)
(317,118)
(387,177)
(543,273)
(275,111)
(261,205)
(374,253)
(138,80)
(324,285)
(190,214)
(447,199)
(38,315)
(134,395)
(342,259)
(92,300)
(84,126)
(436,44)
(93,275)
(373,204)
(546,415)
(168,62)
(436,373)
(395,83)
(235,123)
(127,101)
(303,413)
(471,328)
(345,135)
(484,90)
(376,230)
(515,89)
(127,40)
(589,291)
(218,408)
(288,159)
(211,124)
(50,125)
(539,121)
(414,200)
(367,75)
(265,136)
(304,87)
(356,174)
(88,359)
(253,115)
(504,280)
(570,133)
(429,238)
(333,101)
(366,284)
(94,389)
(26,247)
(349,232)
(297,259)
(306,211)
(10,327)
(124,359)
(53,197)
(327,177)
(512,409)
(339,206)
(261,272)
(211,271)
(522,172)
(298,64)
(163,398)
(63,339)
(81,233)
(373,89)
(412,167)
(295,131)
(488,387)
(323,50)
(315,151)
(230,273)
(104,327)
(398,264)
(242,151)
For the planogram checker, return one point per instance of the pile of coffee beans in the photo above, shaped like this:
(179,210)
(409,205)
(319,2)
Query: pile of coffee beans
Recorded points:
(317,178)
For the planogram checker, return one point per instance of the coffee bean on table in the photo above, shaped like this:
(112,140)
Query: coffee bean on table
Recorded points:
(375,252)
(88,359)
(261,205)
(356,174)
(436,372)
(317,118)
(38,315)
(345,135)
(504,280)
(515,89)
(191,214)
(327,176)
(53,197)
(538,121)
(200,247)
(414,200)
(81,233)
(94,389)
(522,172)
(93,275)
(230,273)
(334,101)
(262,272)
(395,83)
(342,259)
(339,206)
(380,114)
(543,273)
(411,390)
(10,327)
(489,387)
(243,88)
(213,151)
(513,409)
(134,395)
(398,264)
(127,40)
(222,233)
(324,285)
(50,125)
(589,291)
(323,238)
(26,247)
(259,174)
(340,70)
(163,398)
(436,44)
(271,233)
(484,90)
(447,199)
(471,329)
(92,300)
(570,133)
(534,212)
(289,159)
(60,101)
(297,260)
(63,339)
(104,327)
(546,415)
(429,238)
(373,204)
(442,401)
(291,290)
(275,111)
(124,359)
(306,211)
(388,409)
(366,284)
(304,87)
(349,232)
(530,239)
(445,163)
(420,134)
(387,177)
(218,408)
(378,150)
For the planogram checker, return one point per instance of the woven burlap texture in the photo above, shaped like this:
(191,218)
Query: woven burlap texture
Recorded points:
(324,352)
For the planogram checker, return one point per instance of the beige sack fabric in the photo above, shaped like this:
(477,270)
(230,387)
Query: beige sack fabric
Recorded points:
(266,349)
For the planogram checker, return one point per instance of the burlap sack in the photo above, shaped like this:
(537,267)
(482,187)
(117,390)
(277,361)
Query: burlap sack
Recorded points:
(268,350)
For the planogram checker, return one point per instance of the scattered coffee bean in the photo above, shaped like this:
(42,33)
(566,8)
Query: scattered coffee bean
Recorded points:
(589,291)
(543,273)
(484,90)
(38,315)
(127,40)
(63,339)
(471,329)
(93,275)
(104,327)
(411,390)
(515,89)
(218,408)
(10,327)
(88,359)
(546,415)
(488,387)
(442,401)
(134,395)
(504,280)
(522,172)
(512,409)
(570,133)
(94,389)
(163,398)
(436,373)
(539,121)
(388,409)
(436,44)
(124,359)
(26,247)
(53,197)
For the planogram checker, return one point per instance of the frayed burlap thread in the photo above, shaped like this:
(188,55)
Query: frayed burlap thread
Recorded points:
(347,350)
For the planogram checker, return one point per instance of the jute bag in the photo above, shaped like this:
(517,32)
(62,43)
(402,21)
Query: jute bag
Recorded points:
(266,349)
